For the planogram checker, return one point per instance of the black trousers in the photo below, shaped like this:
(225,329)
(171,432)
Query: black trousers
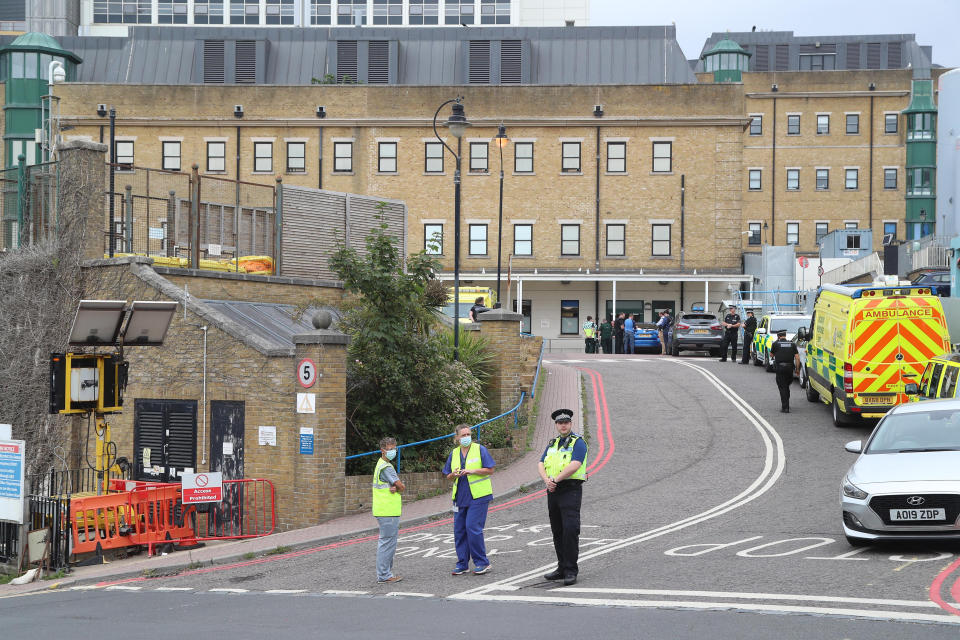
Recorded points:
(728,338)
(747,339)
(784,380)
(607,344)
(619,341)
(563,505)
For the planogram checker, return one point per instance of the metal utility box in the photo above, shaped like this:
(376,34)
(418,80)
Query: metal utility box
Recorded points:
(86,382)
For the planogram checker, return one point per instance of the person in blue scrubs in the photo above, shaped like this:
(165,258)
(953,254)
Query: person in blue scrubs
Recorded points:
(469,513)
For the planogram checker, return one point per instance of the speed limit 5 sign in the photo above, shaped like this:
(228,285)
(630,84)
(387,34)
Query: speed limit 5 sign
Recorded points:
(307,373)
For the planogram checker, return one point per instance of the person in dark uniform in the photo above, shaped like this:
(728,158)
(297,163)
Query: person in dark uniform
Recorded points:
(618,333)
(731,325)
(786,361)
(563,468)
(749,328)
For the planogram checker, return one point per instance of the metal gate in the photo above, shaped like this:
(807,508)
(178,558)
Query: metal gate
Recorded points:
(164,439)
(226,456)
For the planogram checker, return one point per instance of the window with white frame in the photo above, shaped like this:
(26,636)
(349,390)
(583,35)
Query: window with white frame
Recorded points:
(123,155)
(753,237)
(662,157)
(823,124)
(352,12)
(822,229)
(756,125)
(891,122)
(387,157)
(853,241)
(793,125)
(523,157)
(210,11)
(660,240)
(616,157)
(320,12)
(343,157)
(889,178)
(793,233)
(171,155)
(523,239)
(479,156)
(216,156)
(432,157)
(262,156)
(388,12)
(433,239)
(920,181)
(823,179)
(424,11)
(478,239)
(296,157)
(793,179)
(851,225)
(459,12)
(755,179)
(616,239)
(570,239)
(851,179)
(570,160)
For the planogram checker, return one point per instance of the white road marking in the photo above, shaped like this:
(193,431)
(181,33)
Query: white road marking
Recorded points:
(228,590)
(174,589)
(751,596)
(123,587)
(408,594)
(285,591)
(85,587)
(773,467)
(341,592)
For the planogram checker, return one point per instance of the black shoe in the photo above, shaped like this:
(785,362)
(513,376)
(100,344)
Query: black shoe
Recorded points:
(569,579)
(723,359)
(553,575)
(782,410)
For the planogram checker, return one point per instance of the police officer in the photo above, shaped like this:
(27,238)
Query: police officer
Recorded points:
(749,328)
(786,360)
(731,325)
(563,468)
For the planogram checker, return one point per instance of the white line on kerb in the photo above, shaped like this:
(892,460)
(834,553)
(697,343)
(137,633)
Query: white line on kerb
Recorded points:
(750,596)
(772,470)
(228,590)
(174,589)
(123,587)
(85,587)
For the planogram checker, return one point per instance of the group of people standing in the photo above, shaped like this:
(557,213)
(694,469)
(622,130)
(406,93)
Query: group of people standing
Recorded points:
(563,470)
(619,336)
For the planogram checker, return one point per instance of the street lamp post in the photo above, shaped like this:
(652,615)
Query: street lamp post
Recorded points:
(457,123)
(502,141)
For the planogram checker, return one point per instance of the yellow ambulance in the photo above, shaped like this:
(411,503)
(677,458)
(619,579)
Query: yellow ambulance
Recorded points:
(866,343)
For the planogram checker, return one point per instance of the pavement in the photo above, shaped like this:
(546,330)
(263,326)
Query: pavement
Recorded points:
(561,389)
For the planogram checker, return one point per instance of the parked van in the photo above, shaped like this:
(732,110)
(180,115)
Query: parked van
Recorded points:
(866,343)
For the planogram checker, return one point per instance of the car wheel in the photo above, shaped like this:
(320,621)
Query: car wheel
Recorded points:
(812,394)
(767,362)
(839,417)
(857,542)
(675,350)
(756,359)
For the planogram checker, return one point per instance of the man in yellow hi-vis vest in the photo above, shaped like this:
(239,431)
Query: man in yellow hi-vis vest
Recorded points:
(387,504)
(469,465)
(563,468)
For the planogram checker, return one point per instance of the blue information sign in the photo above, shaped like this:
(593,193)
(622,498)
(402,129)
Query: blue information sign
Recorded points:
(306,440)
(11,480)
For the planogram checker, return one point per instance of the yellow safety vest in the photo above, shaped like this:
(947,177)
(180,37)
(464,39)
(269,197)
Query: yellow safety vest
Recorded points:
(480,486)
(589,329)
(385,502)
(557,459)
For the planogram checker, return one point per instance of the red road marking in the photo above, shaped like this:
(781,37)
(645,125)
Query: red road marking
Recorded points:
(603,425)
(937,586)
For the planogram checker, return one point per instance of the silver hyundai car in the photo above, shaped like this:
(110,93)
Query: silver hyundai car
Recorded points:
(906,483)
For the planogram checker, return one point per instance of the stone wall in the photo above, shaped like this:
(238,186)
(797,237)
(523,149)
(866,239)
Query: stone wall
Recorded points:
(516,358)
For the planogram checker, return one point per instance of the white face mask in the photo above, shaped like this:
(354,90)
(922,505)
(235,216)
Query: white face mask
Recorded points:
(390,454)
(465,441)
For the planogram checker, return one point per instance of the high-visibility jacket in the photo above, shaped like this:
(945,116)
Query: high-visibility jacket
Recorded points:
(480,486)
(589,329)
(558,458)
(385,502)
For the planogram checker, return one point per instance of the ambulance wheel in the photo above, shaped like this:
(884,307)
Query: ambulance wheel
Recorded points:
(812,394)
(767,362)
(756,360)
(839,417)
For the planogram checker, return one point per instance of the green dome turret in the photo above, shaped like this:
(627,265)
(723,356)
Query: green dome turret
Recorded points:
(727,60)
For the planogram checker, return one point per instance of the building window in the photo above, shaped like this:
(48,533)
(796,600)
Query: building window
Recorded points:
(919,181)
(818,62)
(262,156)
(424,11)
(852,179)
(478,239)
(793,125)
(569,239)
(296,157)
(320,12)
(890,122)
(616,157)
(343,157)
(853,241)
(662,157)
(853,123)
(890,228)
(216,156)
(495,12)
(823,228)
(793,179)
(753,237)
(433,239)
(523,157)
(920,126)
(352,12)
(523,239)
(171,156)
(889,178)
(244,11)
(756,125)
(616,239)
(755,183)
(479,154)
(123,155)
(458,12)
(388,12)
(172,12)
(210,11)
(433,157)
(570,317)
(279,12)
(823,179)
(851,225)
(660,245)
(387,157)
(823,124)
(793,233)
(125,12)
(570,157)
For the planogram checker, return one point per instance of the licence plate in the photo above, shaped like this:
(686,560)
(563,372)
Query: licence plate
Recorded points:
(918,514)
(877,399)
(701,331)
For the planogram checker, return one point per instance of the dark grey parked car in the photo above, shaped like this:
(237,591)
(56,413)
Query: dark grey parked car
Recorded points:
(696,331)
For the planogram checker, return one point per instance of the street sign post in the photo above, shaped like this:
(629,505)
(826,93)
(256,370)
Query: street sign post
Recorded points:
(12,460)
(202,487)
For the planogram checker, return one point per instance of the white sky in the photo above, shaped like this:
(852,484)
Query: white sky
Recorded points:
(934,22)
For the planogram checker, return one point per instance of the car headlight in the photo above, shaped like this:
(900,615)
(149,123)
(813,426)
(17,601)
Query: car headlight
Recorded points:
(853,491)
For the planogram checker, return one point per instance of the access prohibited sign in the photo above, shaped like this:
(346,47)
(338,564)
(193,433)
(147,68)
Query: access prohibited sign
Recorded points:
(306,373)
(202,487)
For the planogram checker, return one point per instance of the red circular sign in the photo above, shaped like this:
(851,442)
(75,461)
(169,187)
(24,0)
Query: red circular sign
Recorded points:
(804,261)
(306,373)
(820,270)
(202,480)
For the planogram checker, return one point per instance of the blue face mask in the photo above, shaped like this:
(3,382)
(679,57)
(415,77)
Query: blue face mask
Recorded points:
(390,453)
(465,441)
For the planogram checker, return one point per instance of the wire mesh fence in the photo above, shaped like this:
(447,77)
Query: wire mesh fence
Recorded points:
(28,204)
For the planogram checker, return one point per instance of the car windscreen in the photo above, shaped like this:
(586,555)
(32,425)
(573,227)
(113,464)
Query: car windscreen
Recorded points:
(790,325)
(646,325)
(699,316)
(932,430)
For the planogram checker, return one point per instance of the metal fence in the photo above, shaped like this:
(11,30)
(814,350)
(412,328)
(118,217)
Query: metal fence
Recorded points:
(28,203)
(927,252)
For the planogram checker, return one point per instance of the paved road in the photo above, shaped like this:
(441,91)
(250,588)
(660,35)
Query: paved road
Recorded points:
(702,497)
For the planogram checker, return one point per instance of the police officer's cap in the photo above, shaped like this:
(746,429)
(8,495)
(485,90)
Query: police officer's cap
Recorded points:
(781,333)
(562,415)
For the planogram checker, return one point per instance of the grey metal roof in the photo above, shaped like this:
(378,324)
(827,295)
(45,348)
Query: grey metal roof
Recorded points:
(426,57)
(275,324)
(912,54)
